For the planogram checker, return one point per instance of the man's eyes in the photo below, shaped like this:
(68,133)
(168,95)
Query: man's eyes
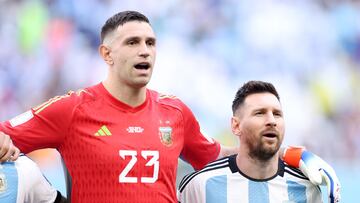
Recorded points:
(150,43)
(279,114)
(131,42)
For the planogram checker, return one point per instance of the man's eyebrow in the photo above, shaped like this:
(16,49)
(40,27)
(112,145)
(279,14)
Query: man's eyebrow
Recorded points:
(265,109)
(138,38)
(151,38)
(132,38)
(258,109)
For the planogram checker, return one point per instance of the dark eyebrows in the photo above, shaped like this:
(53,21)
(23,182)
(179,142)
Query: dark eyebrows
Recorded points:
(135,38)
(132,39)
(276,110)
(259,109)
(279,111)
(153,39)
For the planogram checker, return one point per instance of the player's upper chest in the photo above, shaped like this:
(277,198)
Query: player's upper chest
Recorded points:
(153,125)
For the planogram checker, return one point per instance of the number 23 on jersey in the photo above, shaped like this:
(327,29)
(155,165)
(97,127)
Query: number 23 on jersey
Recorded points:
(152,158)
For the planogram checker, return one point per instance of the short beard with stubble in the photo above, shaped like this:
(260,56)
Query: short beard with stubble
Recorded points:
(259,152)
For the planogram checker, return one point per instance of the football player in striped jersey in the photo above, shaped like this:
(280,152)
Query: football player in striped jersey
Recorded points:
(255,174)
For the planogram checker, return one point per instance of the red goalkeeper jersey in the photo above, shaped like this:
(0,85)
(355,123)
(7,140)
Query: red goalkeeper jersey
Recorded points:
(114,152)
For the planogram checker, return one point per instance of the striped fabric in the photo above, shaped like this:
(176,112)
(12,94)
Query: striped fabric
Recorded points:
(22,182)
(8,182)
(222,182)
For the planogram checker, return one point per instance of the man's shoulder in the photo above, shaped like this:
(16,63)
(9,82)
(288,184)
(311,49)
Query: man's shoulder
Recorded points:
(293,174)
(215,168)
(66,102)
(81,95)
(167,99)
(85,94)
(162,96)
(290,171)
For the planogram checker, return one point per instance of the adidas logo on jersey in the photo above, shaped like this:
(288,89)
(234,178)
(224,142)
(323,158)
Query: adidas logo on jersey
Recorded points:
(134,129)
(103,131)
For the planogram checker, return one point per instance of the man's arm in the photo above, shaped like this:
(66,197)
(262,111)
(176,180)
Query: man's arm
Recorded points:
(317,170)
(8,151)
(227,151)
(38,128)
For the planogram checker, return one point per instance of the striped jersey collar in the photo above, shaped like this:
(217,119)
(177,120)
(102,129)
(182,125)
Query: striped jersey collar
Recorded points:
(234,168)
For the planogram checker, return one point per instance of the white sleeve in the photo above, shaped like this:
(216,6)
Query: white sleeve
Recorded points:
(192,192)
(314,194)
(32,183)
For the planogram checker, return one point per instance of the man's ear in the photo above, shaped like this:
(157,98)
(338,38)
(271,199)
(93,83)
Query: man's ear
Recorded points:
(235,125)
(105,54)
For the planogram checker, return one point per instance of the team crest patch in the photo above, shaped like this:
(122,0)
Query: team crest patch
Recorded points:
(165,136)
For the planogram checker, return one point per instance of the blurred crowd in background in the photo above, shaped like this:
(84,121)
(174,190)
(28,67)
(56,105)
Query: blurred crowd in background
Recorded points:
(310,49)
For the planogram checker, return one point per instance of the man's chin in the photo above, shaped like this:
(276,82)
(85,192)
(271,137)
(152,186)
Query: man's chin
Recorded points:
(265,153)
(141,83)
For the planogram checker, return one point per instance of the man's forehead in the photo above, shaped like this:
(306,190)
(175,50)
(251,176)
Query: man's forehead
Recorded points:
(132,29)
(135,29)
(259,100)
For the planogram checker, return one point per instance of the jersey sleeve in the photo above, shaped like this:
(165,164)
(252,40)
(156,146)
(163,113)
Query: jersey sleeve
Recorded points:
(191,191)
(36,187)
(314,194)
(44,126)
(198,149)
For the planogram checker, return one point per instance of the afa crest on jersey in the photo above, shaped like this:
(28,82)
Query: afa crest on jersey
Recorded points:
(165,135)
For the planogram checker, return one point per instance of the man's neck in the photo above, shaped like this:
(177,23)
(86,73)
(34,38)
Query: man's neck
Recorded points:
(255,168)
(128,95)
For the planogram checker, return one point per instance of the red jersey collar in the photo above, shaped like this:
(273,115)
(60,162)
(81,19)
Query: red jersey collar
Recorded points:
(119,103)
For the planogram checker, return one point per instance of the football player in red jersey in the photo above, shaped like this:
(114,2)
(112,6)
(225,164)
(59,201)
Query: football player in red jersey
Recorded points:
(119,140)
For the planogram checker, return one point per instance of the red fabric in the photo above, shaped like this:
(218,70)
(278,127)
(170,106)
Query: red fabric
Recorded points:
(162,126)
(292,156)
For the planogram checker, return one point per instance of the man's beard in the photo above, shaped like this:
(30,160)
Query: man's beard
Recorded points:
(258,150)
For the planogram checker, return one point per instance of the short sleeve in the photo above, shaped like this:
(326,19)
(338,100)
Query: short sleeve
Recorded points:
(191,190)
(198,149)
(41,127)
(36,188)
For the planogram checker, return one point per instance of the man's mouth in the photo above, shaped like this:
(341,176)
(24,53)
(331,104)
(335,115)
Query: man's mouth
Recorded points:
(270,135)
(142,66)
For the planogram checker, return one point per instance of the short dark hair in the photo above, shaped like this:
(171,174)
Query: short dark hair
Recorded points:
(120,19)
(252,87)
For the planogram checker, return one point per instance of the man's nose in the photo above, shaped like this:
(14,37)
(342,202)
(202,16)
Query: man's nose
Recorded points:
(270,120)
(144,50)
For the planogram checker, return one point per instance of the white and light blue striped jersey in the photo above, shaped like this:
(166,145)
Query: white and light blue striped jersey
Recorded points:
(222,182)
(22,182)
